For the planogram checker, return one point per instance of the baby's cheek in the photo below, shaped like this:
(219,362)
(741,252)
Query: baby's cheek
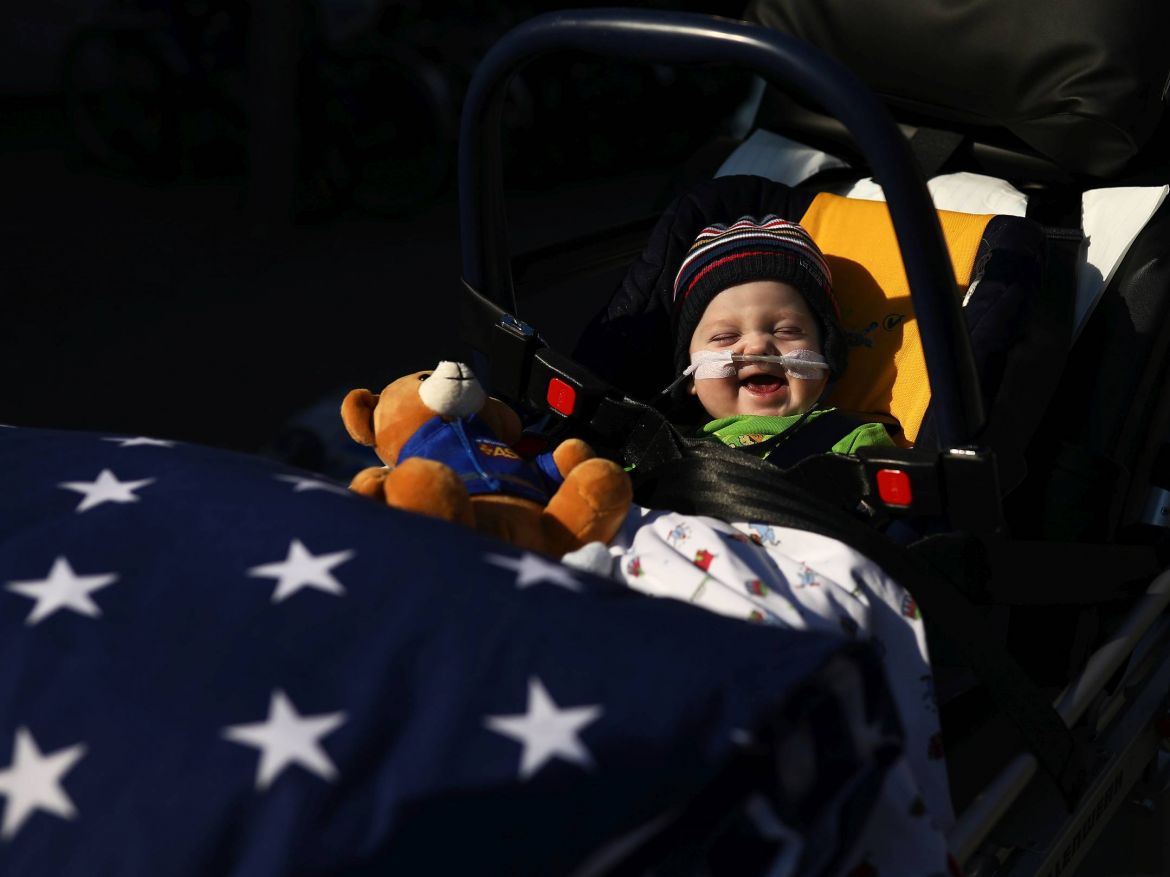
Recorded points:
(814,387)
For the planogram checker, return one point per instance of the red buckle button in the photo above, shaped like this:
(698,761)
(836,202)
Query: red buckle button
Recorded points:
(561,396)
(894,487)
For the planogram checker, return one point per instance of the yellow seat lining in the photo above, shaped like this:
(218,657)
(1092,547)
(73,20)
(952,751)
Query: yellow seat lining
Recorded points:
(886,375)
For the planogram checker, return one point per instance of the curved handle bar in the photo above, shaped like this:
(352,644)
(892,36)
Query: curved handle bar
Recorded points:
(687,38)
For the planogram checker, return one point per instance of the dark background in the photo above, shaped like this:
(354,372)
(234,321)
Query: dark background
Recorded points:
(217,217)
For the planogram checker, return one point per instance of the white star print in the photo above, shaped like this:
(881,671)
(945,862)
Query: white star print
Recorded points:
(286,737)
(33,782)
(63,589)
(545,731)
(532,569)
(302,569)
(107,488)
(141,440)
(300,484)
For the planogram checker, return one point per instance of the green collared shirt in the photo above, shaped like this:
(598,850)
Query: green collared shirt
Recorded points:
(745,430)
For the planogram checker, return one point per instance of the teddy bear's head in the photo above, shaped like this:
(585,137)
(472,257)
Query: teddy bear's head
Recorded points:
(388,419)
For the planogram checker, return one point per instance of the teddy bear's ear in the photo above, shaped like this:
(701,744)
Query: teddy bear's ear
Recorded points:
(357,413)
(502,420)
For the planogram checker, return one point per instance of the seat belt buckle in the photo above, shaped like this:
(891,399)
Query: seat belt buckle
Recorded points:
(971,483)
(513,346)
(960,484)
(559,384)
(903,481)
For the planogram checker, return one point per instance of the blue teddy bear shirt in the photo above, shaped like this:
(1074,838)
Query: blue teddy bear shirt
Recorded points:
(482,461)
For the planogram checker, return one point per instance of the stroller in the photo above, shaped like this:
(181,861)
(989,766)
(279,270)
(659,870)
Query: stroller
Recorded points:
(1016,518)
(393,652)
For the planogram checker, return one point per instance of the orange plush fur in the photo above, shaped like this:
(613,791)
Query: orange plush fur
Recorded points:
(589,506)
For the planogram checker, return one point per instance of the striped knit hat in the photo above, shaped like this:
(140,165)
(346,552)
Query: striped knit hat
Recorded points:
(770,249)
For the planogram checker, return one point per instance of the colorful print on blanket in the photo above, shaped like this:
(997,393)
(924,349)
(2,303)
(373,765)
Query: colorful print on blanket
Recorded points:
(800,580)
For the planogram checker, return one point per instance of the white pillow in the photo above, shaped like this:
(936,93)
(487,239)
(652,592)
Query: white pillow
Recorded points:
(1110,218)
(769,155)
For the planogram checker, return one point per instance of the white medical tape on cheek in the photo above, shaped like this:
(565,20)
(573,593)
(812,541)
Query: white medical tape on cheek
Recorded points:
(710,364)
(804,364)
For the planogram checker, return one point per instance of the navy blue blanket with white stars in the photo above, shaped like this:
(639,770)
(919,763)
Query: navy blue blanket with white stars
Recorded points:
(210,664)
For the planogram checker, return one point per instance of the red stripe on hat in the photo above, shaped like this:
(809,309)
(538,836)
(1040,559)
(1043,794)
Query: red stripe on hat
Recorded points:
(716,264)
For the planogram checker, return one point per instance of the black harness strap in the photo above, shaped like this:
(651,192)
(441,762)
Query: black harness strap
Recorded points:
(722,482)
(652,441)
(809,438)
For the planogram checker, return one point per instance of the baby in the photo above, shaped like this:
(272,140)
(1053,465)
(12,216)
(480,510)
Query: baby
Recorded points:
(758,339)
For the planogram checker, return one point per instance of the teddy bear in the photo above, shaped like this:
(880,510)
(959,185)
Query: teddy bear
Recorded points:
(448,452)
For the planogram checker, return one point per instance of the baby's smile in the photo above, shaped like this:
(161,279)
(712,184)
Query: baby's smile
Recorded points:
(763,384)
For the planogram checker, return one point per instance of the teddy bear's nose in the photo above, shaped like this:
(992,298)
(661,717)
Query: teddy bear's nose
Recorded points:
(454,371)
(452,390)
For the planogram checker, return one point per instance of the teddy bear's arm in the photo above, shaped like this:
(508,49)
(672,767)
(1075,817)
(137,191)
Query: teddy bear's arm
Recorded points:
(369,481)
(570,454)
(357,413)
(589,507)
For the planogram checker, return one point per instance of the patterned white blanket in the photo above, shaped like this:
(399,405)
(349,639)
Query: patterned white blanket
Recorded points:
(800,580)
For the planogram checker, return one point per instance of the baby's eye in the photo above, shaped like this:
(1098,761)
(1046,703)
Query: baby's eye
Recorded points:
(724,338)
(789,331)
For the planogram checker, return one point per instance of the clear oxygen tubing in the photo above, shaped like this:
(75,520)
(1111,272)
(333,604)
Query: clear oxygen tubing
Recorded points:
(804,365)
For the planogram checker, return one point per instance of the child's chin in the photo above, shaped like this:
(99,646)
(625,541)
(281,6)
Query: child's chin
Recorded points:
(776,405)
(775,411)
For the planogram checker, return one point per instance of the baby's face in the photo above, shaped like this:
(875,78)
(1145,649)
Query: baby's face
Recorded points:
(764,317)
